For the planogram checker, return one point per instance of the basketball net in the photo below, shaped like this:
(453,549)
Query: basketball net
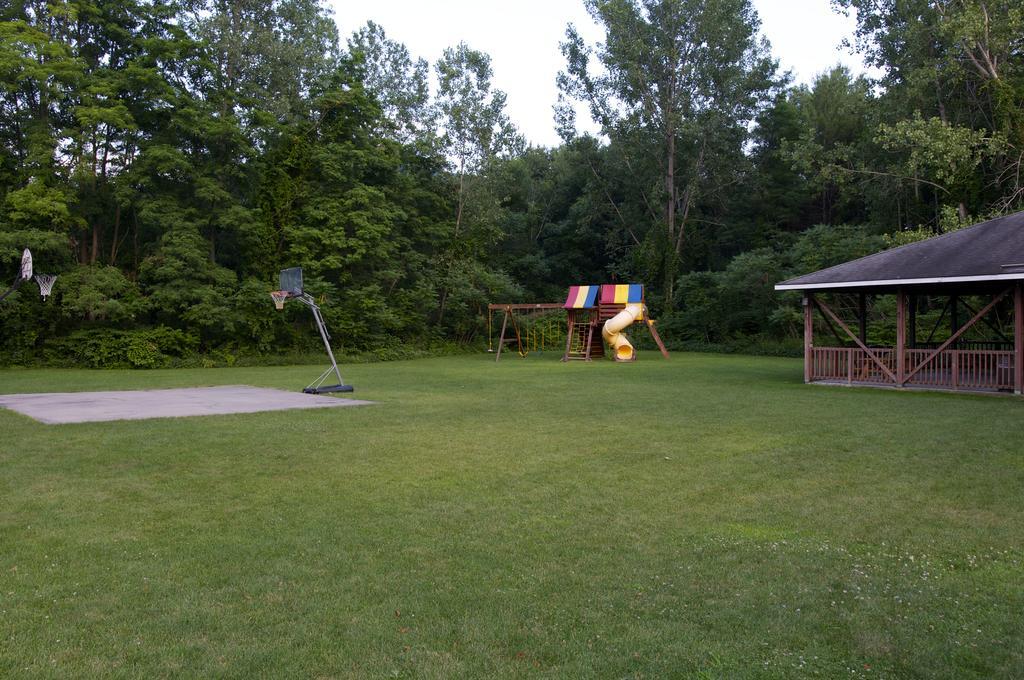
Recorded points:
(45,283)
(279,297)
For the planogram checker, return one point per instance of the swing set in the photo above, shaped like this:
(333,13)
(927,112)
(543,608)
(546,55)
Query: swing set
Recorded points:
(536,327)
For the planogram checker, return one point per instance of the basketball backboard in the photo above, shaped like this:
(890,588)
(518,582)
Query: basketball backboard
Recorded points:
(291,280)
(26,265)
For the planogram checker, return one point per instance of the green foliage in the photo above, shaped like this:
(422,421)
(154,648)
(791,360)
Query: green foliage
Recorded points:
(100,293)
(739,303)
(168,159)
(826,246)
(113,348)
(37,205)
(950,221)
(184,287)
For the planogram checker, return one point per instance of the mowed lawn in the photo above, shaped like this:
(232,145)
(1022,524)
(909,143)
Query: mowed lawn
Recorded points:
(706,516)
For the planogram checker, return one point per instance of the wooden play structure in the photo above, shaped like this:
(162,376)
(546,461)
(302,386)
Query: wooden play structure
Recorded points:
(599,315)
(590,317)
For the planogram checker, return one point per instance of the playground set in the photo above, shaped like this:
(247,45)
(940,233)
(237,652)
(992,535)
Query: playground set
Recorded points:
(612,307)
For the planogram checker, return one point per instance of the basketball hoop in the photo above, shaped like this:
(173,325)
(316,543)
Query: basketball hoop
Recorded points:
(45,283)
(279,297)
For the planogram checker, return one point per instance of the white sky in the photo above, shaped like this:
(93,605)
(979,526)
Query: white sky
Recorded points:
(522,39)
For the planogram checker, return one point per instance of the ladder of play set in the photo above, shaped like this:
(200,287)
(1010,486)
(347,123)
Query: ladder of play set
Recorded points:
(583,341)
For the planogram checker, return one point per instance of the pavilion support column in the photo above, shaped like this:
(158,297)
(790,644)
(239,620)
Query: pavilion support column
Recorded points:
(1018,338)
(901,337)
(808,335)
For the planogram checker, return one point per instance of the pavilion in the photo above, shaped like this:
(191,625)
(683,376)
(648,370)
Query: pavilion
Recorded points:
(983,264)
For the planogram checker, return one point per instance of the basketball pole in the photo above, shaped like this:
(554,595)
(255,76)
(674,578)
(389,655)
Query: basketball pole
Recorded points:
(24,273)
(16,286)
(315,386)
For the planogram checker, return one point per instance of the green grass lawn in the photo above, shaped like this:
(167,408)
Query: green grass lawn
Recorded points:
(707,516)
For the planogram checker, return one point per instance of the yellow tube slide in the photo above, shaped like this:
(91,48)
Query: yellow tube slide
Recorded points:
(613,335)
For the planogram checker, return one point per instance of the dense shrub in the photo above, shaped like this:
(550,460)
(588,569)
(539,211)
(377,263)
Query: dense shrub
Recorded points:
(111,348)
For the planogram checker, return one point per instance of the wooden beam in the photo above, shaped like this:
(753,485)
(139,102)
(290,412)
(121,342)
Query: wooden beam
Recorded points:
(526,306)
(654,334)
(985,321)
(963,329)
(938,323)
(808,334)
(954,315)
(867,350)
(501,339)
(862,316)
(1018,338)
(901,337)
(832,328)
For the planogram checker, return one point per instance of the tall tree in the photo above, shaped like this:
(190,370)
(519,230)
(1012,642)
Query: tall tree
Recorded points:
(961,62)
(475,132)
(682,79)
(399,84)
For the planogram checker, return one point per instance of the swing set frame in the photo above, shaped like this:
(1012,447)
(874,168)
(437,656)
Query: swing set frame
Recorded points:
(510,312)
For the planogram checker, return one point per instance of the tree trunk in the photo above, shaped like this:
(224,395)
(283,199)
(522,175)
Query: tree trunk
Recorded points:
(117,233)
(95,243)
(671,253)
(135,245)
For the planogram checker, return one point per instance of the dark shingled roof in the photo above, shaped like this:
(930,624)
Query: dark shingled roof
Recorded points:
(989,251)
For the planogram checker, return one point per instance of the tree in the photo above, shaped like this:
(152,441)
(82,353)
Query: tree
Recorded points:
(960,61)
(264,56)
(681,79)
(399,84)
(832,148)
(475,132)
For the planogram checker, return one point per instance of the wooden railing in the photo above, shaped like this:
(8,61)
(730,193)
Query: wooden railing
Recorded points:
(852,365)
(959,369)
(967,369)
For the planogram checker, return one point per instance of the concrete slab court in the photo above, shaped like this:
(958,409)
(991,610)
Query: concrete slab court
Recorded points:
(84,407)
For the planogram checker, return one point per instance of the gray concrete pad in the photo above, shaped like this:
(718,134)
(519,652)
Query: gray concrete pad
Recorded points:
(84,407)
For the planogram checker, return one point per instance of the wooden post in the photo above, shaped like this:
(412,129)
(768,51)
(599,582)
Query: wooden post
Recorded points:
(901,337)
(570,317)
(808,335)
(1018,338)
(501,340)
(862,316)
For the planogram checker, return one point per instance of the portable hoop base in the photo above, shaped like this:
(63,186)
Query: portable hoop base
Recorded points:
(326,389)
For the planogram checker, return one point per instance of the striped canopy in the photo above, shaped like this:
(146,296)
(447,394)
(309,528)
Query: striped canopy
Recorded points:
(581,297)
(622,293)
